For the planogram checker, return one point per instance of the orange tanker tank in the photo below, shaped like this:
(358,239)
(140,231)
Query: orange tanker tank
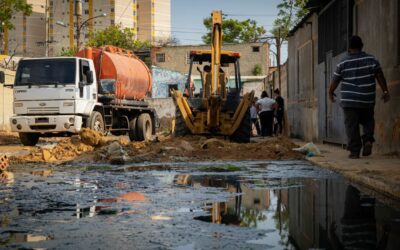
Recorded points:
(132,76)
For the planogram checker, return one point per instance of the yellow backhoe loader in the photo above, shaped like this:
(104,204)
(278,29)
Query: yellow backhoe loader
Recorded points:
(220,109)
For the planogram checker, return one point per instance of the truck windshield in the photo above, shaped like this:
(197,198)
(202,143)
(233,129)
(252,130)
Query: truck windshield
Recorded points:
(46,71)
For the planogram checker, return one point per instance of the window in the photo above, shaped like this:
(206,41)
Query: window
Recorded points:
(112,22)
(160,57)
(84,69)
(86,12)
(112,9)
(256,48)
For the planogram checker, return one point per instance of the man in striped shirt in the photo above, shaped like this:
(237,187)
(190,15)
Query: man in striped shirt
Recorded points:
(357,73)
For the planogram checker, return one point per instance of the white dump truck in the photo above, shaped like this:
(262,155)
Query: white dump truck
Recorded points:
(100,88)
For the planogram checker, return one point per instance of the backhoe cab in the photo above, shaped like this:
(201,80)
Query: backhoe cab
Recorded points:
(220,110)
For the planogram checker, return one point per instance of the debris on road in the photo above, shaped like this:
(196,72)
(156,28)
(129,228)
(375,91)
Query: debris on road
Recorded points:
(4,163)
(92,147)
(309,149)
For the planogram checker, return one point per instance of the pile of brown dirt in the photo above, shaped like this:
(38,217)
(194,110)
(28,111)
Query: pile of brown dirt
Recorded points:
(196,148)
(91,147)
(66,150)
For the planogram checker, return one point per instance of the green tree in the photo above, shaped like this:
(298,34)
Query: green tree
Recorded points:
(235,31)
(7,9)
(117,36)
(290,13)
(67,52)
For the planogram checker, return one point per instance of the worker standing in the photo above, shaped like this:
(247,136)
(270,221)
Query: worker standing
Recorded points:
(279,113)
(357,73)
(254,116)
(265,107)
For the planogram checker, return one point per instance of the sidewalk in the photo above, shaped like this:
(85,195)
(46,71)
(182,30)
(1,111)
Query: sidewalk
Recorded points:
(378,172)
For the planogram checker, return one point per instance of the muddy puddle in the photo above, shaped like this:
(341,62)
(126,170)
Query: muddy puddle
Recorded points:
(205,205)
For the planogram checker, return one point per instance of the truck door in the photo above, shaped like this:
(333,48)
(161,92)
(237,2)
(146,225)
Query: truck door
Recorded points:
(85,89)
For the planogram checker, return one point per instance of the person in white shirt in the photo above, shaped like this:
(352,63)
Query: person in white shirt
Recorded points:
(266,107)
(254,116)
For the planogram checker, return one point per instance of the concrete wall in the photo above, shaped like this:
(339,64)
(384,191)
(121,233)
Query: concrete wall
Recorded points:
(6,99)
(165,108)
(378,24)
(256,84)
(301,93)
(176,57)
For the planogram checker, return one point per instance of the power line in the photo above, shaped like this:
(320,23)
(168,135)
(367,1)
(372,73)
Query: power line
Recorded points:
(129,3)
(250,15)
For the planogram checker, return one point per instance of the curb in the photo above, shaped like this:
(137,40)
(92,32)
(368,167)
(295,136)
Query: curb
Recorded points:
(382,187)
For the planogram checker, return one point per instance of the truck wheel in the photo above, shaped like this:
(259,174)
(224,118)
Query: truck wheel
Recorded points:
(144,127)
(180,128)
(95,122)
(243,133)
(29,139)
(132,129)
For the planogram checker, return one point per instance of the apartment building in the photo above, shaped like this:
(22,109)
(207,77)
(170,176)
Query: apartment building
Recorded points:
(28,38)
(139,15)
(52,25)
(154,20)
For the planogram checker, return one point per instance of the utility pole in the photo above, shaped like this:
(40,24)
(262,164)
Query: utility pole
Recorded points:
(278,57)
(78,15)
(47,20)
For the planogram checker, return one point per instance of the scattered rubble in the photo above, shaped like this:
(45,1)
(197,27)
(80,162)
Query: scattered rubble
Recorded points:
(92,147)
(4,163)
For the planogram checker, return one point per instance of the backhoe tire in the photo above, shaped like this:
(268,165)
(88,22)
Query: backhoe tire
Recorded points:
(29,139)
(144,127)
(180,128)
(132,129)
(243,133)
(96,122)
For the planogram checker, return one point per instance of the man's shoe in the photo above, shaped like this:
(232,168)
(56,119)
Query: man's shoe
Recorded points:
(367,148)
(354,156)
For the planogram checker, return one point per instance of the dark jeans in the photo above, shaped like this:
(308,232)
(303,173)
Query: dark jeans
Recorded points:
(279,126)
(256,123)
(353,118)
(267,120)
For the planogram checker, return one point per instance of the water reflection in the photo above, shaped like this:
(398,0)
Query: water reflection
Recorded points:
(321,213)
(20,237)
(99,209)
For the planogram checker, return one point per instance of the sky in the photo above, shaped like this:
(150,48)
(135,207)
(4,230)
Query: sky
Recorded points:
(188,15)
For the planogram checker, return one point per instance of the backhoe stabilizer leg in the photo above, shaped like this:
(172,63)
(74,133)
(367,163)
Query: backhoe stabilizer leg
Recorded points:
(184,108)
(241,110)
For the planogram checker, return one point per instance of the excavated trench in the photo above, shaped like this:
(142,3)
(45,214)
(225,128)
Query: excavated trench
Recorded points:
(191,205)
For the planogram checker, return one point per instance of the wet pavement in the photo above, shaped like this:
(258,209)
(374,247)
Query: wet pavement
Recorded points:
(256,205)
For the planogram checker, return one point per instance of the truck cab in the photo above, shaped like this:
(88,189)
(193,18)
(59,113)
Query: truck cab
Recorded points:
(52,97)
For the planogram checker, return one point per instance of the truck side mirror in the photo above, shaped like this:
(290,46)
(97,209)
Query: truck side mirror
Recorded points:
(89,77)
(2,77)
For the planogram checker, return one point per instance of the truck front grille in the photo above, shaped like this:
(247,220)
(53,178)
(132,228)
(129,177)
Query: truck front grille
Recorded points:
(44,110)
(42,127)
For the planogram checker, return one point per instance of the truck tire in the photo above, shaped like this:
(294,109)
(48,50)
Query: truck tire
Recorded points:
(144,127)
(180,129)
(95,122)
(132,129)
(243,133)
(29,139)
